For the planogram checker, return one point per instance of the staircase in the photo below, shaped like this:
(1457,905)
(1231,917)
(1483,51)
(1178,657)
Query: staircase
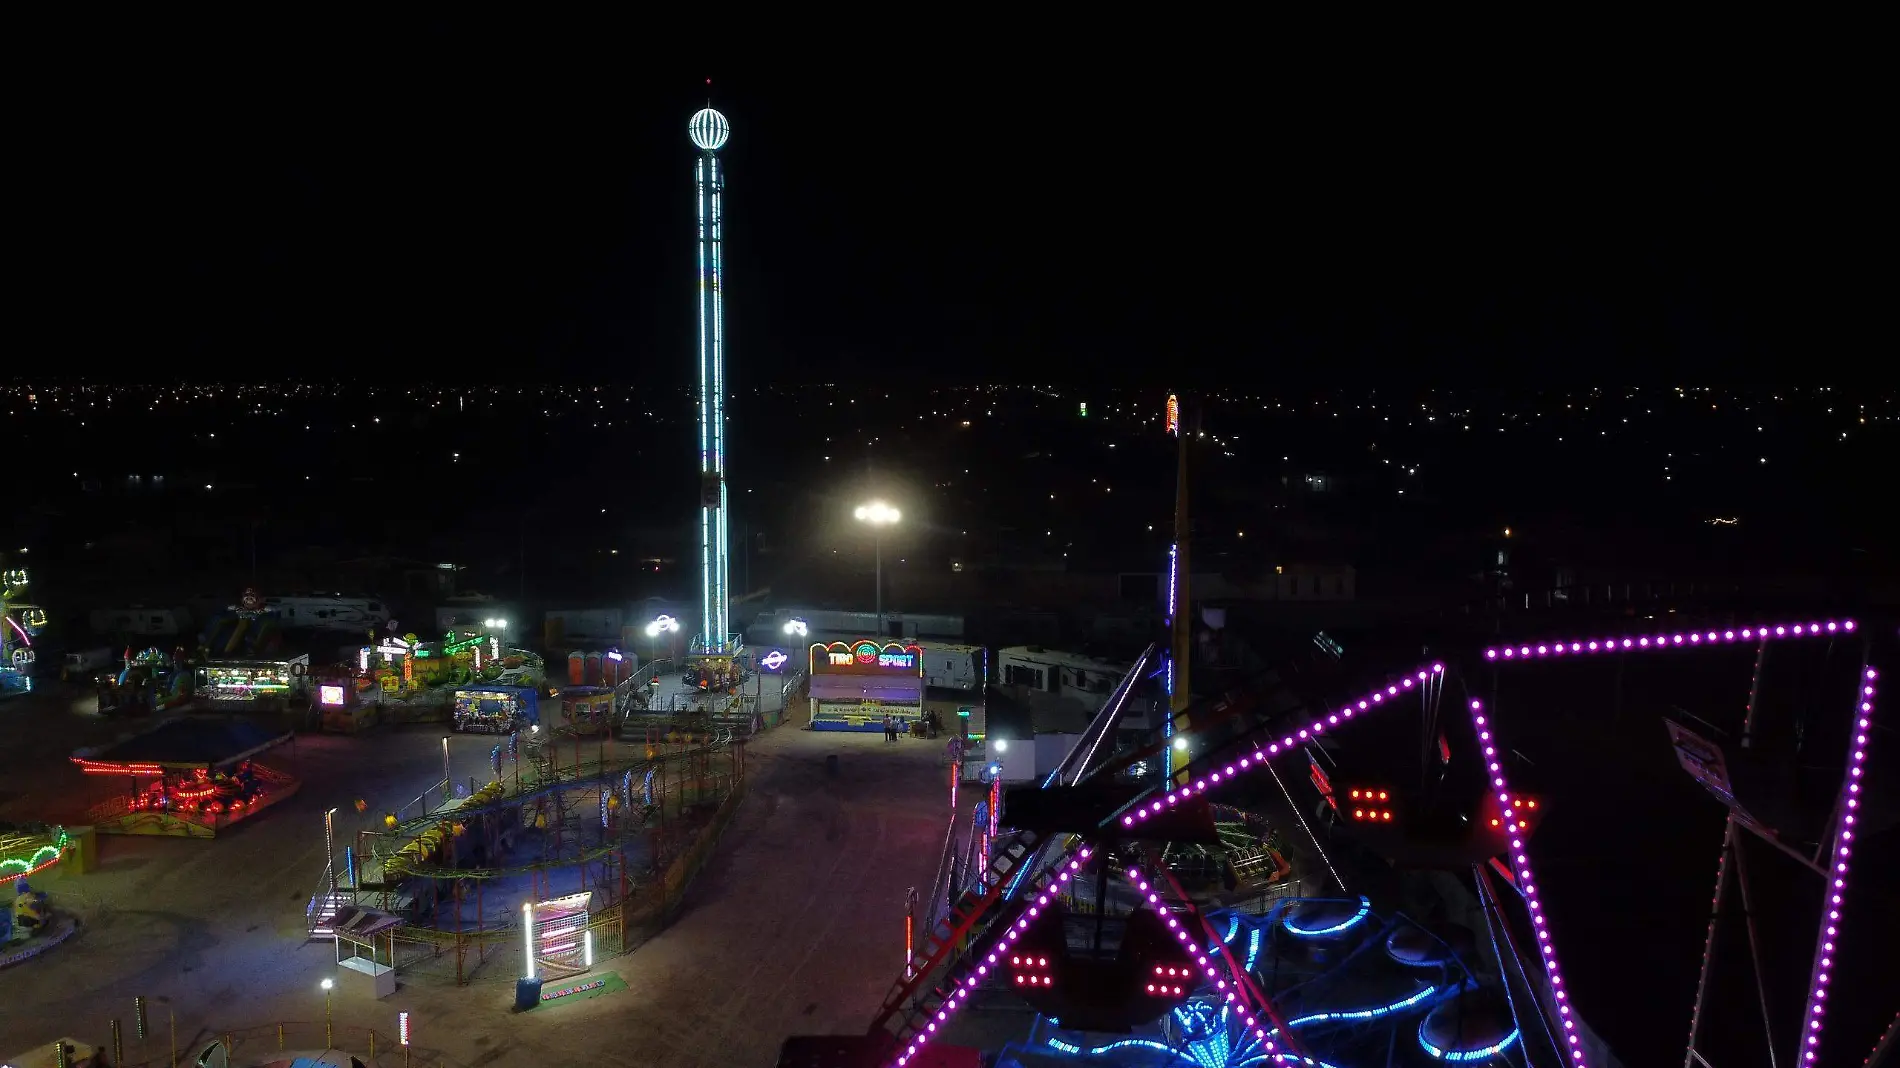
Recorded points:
(913,998)
(320,913)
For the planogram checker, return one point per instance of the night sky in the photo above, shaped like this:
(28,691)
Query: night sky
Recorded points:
(473,197)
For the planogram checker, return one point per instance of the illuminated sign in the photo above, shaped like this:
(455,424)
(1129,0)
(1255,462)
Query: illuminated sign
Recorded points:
(866,657)
(330,695)
(774,660)
(1174,415)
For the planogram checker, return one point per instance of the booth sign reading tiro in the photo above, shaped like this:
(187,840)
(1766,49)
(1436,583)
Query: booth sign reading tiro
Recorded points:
(854,685)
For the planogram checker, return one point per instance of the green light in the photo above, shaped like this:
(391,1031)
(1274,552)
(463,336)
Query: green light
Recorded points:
(13,866)
(964,711)
(1085,409)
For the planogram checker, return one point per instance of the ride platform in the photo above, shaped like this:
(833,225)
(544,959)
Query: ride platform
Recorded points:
(189,777)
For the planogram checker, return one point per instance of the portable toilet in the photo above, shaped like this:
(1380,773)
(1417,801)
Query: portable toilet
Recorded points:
(613,667)
(577,668)
(593,669)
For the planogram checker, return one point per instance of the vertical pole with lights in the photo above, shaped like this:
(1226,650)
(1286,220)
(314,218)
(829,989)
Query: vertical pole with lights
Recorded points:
(1179,612)
(709,131)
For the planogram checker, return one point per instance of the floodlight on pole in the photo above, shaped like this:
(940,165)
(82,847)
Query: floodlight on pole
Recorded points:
(879,515)
(798,628)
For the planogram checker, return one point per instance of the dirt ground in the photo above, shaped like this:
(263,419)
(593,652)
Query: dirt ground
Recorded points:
(795,925)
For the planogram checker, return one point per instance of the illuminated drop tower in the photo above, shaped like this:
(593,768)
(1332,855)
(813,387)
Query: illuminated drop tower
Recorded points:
(709,131)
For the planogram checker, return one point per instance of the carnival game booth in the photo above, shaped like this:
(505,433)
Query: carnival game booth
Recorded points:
(854,685)
(190,777)
(496,709)
(346,700)
(254,680)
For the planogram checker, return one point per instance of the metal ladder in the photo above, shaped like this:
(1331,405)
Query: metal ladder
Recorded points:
(912,998)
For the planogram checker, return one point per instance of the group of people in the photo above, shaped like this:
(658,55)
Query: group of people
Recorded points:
(893,728)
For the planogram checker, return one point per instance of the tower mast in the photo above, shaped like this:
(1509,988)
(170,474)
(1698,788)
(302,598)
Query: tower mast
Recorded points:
(1180,614)
(709,131)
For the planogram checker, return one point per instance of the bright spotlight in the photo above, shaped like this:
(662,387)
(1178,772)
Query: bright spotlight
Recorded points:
(1180,744)
(1002,745)
(327,983)
(797,627)
(878,514)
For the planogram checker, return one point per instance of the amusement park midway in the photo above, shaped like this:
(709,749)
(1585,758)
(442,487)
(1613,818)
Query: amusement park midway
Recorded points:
(777,934)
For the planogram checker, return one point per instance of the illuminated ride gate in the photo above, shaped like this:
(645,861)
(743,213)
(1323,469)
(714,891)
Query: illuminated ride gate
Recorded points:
(1082,826)
(556,938)
(715,644)
(854,685)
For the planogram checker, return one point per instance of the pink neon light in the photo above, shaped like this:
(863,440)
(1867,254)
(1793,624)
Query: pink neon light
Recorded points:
(1259,756)
(1813,1016)
(997,949)
(1672,639)
(1154,900)
(1522,863)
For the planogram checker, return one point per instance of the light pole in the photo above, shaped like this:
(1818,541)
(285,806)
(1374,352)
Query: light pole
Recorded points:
(329,1037)
(797,628)
(879,515)
(666,625)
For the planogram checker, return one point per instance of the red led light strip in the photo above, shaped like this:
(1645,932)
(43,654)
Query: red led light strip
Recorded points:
(1813,1016)
(1221,986)
(957,997)
(1377,698)
(100,767)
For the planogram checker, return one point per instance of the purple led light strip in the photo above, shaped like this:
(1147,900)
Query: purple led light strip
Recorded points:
(1526,882)
(957,997)
(1814,1015)
(1259,757)
(1683,639)
(1221,986)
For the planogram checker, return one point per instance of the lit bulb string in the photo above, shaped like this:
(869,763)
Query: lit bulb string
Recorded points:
(964,985)
(1304,826)
(1813,1016)
(1146,805)
(1242,976)
(1224,990)
(1527,882)
(1672,639)
(1148,808)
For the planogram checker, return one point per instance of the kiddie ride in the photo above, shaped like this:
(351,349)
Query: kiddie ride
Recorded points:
(148,681)
(188,777)
(407,666)
(27,925)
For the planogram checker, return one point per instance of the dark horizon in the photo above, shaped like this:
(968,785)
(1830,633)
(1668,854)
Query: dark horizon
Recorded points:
(461,194)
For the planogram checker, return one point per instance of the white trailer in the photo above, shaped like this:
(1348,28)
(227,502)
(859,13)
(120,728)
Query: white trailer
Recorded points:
(948,666)
(319,612)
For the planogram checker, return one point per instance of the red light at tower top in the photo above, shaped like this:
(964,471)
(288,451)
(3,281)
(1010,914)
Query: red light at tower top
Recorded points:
(1174,415)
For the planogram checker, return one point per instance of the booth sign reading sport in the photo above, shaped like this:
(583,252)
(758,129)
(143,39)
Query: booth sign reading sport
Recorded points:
(854,685)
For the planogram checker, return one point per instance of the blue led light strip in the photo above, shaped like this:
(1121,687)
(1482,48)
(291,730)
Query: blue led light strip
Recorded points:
(1365,1014)
(1365,909)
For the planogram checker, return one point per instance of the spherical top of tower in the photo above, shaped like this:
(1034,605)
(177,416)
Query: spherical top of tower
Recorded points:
(709,130)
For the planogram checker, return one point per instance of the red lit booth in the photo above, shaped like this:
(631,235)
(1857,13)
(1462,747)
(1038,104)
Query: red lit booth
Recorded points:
(190,777)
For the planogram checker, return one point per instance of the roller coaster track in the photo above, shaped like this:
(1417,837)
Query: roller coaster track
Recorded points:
(562,778)
(449,871)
